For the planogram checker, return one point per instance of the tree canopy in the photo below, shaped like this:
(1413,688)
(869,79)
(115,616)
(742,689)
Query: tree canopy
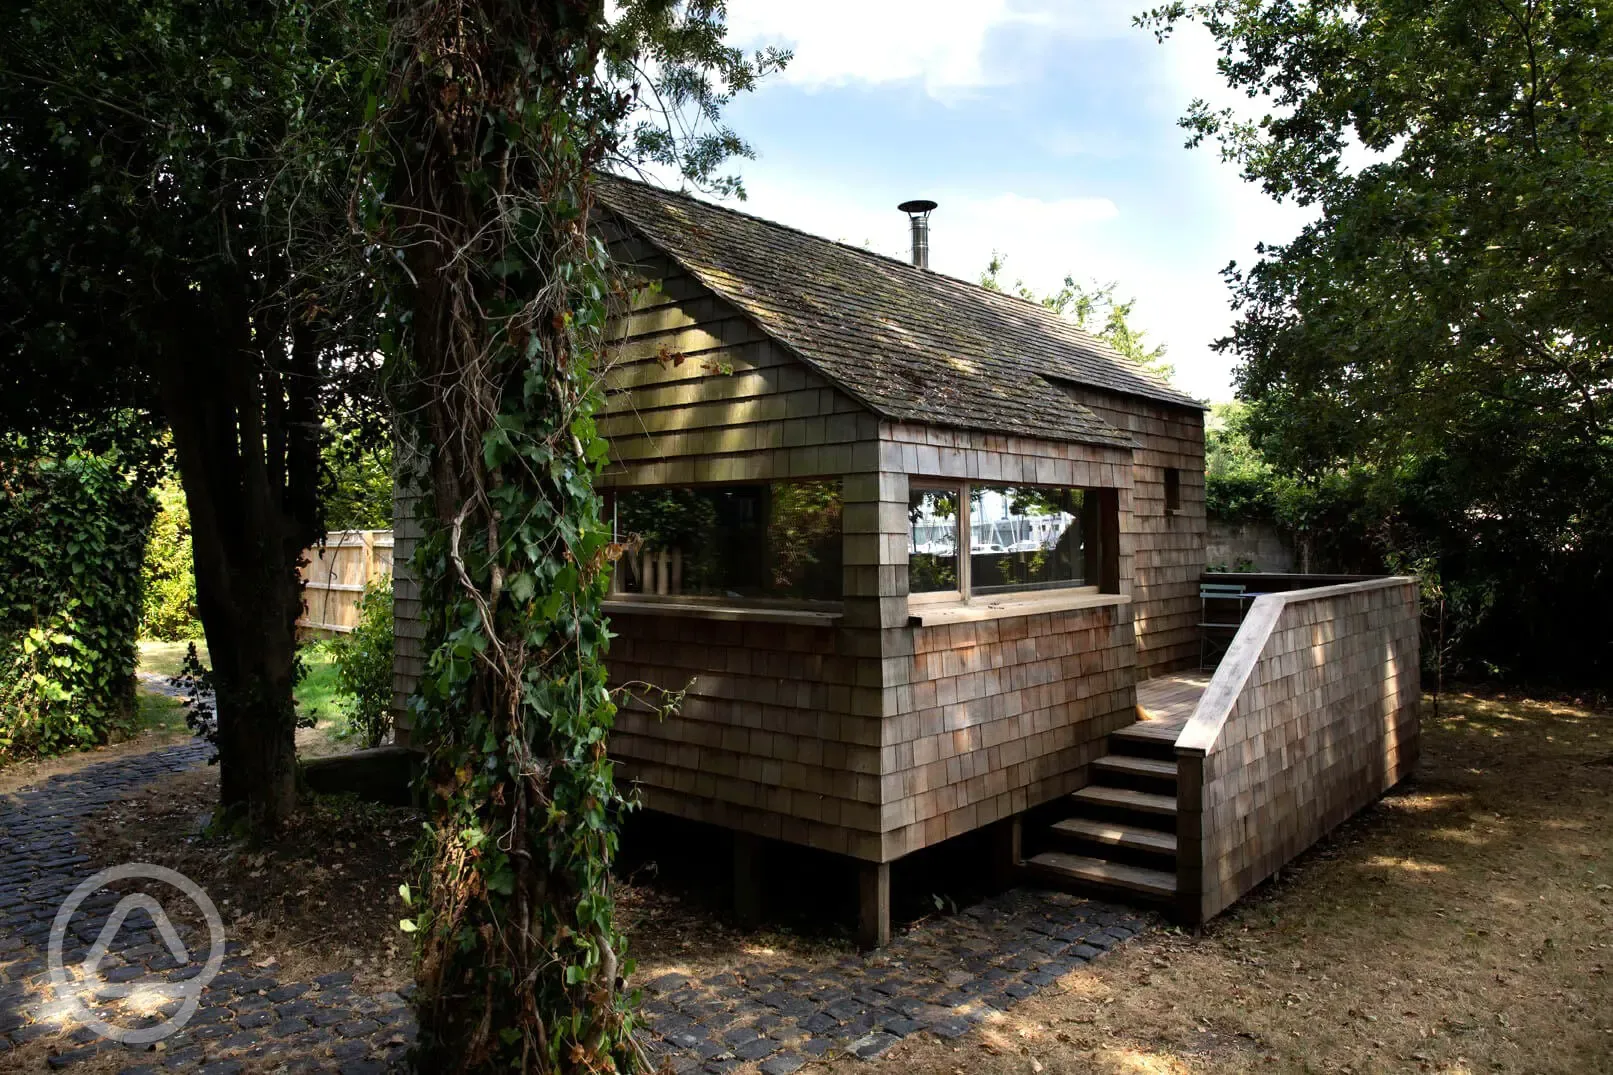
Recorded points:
(1447,320)
(176,181)
(1093,308)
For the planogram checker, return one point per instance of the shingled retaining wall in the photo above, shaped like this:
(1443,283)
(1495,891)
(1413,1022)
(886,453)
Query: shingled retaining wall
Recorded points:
(1311,716)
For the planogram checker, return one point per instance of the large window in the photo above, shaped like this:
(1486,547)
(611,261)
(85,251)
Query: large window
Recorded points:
(778,541)
(1019,537)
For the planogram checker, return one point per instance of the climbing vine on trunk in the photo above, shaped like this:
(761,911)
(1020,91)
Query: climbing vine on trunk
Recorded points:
(491,120)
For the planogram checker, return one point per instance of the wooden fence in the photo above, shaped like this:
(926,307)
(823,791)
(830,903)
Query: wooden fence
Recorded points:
(334,578)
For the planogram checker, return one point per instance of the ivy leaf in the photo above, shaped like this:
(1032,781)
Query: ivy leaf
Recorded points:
(523,586)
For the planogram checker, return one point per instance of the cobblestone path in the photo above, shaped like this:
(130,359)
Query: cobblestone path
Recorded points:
(942,977)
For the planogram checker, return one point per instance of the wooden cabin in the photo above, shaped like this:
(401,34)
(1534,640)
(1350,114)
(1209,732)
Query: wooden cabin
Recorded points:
(919,555)
(909,543)
(921,559)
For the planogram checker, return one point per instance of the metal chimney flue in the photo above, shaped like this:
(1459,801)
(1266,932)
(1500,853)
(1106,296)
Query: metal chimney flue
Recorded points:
(918,215)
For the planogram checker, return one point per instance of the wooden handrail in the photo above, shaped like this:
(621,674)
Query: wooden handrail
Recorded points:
(1199,735)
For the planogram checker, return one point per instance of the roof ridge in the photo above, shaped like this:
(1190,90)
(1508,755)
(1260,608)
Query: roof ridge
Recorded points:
(814,236)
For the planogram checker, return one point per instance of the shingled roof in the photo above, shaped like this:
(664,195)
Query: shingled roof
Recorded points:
(910,344)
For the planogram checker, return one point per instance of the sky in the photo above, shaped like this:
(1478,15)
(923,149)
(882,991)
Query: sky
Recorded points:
(1046,131)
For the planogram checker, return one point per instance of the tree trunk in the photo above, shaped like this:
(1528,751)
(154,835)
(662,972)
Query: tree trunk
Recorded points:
(249,476)
(518,963)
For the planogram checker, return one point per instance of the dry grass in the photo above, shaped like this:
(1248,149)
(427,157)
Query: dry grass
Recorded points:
(1465,924)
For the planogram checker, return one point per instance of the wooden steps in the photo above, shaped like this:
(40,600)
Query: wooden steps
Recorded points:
(1120,836)
(1156,884)
(1112,835)
(1126,799)
(1135,766)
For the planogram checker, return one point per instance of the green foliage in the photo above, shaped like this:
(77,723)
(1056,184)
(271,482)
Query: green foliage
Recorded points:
(359,493)
(1093,309)
(72,532)
(177,177)
(363,660)
(491,119)
(805,523)
(167,613)
(1442,335)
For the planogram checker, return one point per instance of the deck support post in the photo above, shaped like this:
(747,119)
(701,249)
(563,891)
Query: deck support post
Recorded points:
(747,879)
(1007,850)
(874,904)
(1190,838)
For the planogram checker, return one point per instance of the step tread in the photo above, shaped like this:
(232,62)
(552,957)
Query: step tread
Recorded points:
(1145,801)
(1152,732)
(1107,832)
(1100,871)
(1132,765)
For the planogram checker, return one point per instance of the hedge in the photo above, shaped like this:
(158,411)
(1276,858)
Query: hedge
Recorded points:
(168,613)
(72,538)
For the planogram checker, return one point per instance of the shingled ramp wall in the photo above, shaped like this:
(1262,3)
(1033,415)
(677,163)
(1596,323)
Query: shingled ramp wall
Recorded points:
(1311,716)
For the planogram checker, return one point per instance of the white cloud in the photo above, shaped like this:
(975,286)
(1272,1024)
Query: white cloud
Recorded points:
(942,44)
(953,49)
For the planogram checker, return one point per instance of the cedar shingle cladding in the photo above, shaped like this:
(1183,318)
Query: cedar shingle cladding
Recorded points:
(871,737)
(1169,546)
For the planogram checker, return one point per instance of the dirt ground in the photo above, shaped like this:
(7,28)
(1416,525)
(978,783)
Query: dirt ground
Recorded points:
(1463,924)
(318,899)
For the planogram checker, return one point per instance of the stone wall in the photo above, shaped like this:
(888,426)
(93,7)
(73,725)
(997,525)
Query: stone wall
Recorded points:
(1261,544)
(1311,716)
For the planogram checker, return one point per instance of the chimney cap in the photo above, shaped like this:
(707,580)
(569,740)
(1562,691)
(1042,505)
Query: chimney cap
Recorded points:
(917,205)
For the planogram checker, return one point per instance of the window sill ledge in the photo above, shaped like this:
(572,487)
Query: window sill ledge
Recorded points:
(734,613)
(1006,606)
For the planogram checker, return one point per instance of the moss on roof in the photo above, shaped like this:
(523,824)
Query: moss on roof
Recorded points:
(911,344)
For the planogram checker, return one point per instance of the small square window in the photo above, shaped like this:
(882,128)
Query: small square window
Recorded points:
(1173,490)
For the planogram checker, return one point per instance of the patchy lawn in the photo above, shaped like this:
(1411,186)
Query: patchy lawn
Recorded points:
(166,658)
(317,695)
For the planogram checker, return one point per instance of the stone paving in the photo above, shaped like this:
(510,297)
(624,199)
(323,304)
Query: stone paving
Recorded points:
(942,977)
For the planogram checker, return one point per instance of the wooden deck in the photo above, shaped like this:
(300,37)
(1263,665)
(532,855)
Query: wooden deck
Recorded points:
(1165,703)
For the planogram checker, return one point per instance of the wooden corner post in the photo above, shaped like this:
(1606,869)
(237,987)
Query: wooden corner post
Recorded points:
(747,879)
(874,904)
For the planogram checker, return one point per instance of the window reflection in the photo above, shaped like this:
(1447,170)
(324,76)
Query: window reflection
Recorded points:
(779,540)
(1023,537)
(932,540)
